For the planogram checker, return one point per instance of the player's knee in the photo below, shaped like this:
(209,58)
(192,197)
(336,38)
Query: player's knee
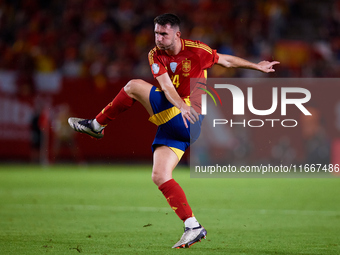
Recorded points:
(158,178)
(155,178)
(132,86)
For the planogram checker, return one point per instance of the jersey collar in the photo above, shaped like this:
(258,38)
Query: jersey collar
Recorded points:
(182,42)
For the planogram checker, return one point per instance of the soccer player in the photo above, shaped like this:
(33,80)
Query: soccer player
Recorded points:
(173,62)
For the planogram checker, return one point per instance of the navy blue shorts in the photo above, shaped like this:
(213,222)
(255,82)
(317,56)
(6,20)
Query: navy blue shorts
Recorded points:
(171,129)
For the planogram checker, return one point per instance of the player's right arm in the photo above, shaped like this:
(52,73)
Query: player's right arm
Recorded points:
(171,94)
(160,73)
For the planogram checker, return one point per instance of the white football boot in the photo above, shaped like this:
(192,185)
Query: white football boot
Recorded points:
(85,126)
(191,236)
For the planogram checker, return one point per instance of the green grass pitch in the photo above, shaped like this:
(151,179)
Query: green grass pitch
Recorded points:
(118,210)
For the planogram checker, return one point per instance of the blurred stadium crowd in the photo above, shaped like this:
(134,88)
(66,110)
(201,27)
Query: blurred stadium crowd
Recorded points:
(110,39)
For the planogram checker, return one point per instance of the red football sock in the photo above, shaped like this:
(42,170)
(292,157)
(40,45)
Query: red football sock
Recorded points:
(176,198)
(119,104)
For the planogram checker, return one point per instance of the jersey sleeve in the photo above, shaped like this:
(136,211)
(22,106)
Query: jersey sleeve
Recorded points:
(208,56)
(157,66)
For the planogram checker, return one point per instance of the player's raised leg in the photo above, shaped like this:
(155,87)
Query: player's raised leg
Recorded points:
(134,90)
(165,160)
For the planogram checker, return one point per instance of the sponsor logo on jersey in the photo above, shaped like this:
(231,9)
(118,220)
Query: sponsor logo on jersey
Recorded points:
(186,65)
(173,66)
(155,68)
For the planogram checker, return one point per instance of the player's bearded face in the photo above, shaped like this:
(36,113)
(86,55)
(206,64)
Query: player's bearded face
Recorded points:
(165,37)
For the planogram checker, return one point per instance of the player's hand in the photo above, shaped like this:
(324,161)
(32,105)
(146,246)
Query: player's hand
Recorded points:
(188,114)
(266,66)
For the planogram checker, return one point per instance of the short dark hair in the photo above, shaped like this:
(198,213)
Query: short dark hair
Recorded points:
(167,18)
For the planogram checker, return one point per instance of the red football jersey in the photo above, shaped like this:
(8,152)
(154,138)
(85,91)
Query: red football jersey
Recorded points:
(191,62)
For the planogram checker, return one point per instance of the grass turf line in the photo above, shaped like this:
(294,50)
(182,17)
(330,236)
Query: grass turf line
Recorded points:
(118,210)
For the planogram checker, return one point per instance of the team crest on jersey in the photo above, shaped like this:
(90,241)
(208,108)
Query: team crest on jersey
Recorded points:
(186,65)
(155,68)
(173,66)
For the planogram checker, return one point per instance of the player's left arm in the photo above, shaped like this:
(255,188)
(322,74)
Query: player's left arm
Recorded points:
(229,61)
